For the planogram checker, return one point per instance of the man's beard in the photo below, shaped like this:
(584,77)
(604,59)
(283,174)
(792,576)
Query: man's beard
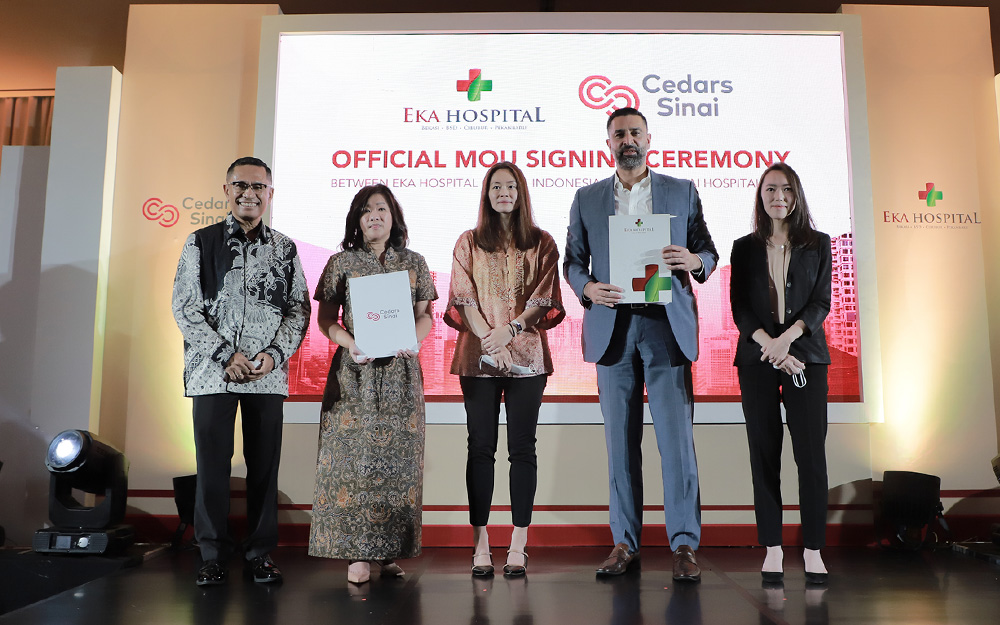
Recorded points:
(630,161)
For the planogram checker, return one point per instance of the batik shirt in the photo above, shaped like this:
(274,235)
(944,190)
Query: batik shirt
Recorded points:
(232,294)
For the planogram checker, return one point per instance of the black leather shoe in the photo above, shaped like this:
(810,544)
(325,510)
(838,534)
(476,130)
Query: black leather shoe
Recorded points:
(211,573)
(619,560)
(514,570)
(772,577)
(482,570)
(264,570)
(817,578)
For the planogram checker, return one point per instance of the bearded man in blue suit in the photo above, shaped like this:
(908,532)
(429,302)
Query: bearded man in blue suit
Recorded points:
(637,345)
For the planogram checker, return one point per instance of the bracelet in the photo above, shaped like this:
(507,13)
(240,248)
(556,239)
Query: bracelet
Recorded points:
(516,327)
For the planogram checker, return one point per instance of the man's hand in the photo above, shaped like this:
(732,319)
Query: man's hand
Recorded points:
(678,258)
(238,368)
(266,366)
(602,293)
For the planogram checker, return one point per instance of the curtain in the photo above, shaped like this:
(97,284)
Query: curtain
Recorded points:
(26,120)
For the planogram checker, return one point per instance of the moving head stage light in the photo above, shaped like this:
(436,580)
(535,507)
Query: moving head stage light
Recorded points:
(78,460)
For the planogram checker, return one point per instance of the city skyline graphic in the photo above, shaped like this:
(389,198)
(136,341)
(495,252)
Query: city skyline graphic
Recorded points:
(714,375)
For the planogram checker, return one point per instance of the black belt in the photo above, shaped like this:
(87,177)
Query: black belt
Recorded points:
(635,306)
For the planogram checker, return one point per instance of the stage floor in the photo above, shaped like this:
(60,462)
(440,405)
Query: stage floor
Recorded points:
(867,585)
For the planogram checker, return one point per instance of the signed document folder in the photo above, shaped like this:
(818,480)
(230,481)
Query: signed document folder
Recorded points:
(636,243)
(383,313)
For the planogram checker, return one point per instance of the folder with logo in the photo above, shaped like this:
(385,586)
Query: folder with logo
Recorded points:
(383,313)
(636,244)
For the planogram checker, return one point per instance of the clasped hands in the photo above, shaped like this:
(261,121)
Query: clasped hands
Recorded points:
(495,344)
(675,257)
(240,369)
(775,352)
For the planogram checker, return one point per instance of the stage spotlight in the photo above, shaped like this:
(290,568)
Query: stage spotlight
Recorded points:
(79,461)
(910,502)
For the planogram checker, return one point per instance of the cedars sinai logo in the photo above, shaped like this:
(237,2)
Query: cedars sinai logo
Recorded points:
(166,215)
(196,212)
(383,314)
(597,92)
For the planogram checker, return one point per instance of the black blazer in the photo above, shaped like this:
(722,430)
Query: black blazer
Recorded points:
(807,297)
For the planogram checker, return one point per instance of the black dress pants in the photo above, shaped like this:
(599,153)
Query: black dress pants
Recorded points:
(522,398)
(762,388)
(214,425)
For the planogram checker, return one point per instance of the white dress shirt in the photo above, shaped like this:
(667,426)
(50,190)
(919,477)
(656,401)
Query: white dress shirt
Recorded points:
(638,200)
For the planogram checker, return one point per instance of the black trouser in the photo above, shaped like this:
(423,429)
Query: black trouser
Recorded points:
(214,424)
(522,397)
(762,387)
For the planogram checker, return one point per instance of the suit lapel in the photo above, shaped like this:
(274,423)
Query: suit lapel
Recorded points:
(658,189)
(608,195)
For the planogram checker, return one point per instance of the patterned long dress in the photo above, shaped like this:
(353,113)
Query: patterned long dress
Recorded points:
(369,475)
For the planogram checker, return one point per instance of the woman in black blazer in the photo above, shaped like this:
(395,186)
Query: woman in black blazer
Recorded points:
(780,295)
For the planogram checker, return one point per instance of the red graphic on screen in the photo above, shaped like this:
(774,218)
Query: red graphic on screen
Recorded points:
(597,92)
(374,316)
(714,374)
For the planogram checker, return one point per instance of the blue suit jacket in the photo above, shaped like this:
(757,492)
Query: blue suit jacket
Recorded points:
(586,259)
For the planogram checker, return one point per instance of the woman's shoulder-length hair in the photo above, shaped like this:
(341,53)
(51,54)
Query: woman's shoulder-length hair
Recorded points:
(354,238)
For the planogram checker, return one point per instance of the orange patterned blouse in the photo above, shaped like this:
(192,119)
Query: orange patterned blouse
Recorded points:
(502,285)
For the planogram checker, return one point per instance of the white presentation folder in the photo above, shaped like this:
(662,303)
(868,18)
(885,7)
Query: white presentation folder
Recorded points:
(383,313)
(636,244)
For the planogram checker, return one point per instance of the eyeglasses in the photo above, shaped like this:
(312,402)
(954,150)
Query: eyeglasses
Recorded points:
(241,186)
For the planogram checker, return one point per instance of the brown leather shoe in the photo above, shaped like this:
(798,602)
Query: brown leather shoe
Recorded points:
(686,565)
(619,560)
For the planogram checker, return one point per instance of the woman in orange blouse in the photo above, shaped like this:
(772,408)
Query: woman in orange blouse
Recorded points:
(504,295)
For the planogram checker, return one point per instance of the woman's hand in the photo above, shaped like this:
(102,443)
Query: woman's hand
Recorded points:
(791,365)
(504,359)
(497,339)
(775,350)
(358,355)
(409,353)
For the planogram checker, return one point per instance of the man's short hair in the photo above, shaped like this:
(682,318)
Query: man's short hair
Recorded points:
(248,160)
(628,110)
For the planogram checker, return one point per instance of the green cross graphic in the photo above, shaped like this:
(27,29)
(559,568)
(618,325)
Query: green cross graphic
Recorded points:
(652,283)
(475,85)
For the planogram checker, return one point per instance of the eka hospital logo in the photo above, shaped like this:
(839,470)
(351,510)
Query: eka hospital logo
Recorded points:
(683,96)
(929,197)
(472,89)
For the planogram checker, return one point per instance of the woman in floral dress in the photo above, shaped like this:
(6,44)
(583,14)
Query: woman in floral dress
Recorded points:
(369,483)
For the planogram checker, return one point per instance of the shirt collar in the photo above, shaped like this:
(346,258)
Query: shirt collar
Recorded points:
(390,252)
(642,184)
(233,229)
